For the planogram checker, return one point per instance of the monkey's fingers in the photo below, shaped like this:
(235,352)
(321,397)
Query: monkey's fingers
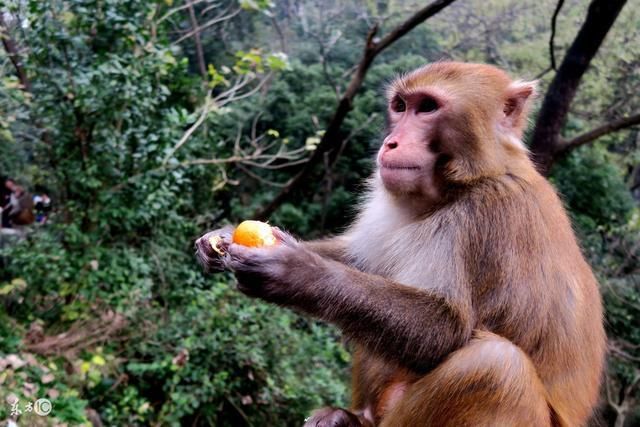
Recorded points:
(241,258)
(284,237)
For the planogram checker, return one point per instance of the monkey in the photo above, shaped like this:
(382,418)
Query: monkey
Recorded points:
(460,283)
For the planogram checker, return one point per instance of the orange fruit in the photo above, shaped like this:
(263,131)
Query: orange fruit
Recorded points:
(254,233)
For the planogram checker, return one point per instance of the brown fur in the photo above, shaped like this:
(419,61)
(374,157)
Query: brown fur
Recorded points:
(461,283)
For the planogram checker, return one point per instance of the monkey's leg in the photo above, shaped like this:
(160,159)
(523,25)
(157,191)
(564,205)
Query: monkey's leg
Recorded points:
(488,382)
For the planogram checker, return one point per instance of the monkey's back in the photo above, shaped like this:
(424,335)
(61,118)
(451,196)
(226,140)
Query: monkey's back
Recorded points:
(535,288)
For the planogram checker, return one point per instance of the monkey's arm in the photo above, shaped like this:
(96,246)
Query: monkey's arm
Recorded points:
(417,326)
(334,248)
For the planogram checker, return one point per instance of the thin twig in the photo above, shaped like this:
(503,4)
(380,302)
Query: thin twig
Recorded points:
(206,109)
(175,10)
(553,34)
(214,21)
(196,40)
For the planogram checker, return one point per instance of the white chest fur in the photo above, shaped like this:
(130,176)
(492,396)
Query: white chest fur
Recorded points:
(385,240)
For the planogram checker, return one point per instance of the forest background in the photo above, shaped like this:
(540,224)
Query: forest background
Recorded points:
(151,122)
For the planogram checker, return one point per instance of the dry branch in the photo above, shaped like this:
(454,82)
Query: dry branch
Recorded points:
(80,336)
(623,123)
(223,16)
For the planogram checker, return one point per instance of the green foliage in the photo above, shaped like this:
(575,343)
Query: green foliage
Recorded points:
(249,357)
(593,187)
(113,97)
(27,378)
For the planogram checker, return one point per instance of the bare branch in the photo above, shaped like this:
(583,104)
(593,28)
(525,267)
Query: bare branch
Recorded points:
(196,39)
(615,350)
(246,94)
(542,73)
(257,157)
(259,178)
(206,109)
(408,25)
(11,48)
(220,18)
(607,128)
(267,165)
(553,34)
(281,37)
(209,8)
(610,400)
(219,101)
(177,9)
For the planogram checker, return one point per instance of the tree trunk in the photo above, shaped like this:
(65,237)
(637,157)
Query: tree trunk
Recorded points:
(546,139)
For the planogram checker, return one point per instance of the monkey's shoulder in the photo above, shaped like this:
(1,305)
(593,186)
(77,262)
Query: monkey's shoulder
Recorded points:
(494,225)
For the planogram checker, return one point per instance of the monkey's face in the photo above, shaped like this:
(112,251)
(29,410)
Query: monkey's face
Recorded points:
(451,123)
(410,155)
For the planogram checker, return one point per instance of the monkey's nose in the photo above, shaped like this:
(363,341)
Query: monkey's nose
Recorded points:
(391,145)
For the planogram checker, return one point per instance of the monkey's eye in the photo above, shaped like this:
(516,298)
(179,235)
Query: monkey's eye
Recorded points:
(398,105)
(427,105)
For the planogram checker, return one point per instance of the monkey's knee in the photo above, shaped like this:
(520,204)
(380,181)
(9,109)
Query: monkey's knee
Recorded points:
(489,382)
(333,417)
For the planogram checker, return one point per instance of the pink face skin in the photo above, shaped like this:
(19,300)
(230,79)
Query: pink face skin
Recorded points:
(407,160)
(10,185)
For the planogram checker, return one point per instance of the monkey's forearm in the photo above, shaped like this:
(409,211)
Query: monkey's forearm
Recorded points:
(334,248)
(417,326)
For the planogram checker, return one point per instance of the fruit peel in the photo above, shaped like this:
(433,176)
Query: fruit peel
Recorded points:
(254,234)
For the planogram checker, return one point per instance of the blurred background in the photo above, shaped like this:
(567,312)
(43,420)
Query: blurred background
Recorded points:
(128,128)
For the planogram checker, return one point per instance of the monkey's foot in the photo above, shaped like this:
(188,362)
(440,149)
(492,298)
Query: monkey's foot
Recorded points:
(333,417)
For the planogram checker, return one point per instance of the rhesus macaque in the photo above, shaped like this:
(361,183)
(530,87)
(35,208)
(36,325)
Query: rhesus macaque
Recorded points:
(460,284)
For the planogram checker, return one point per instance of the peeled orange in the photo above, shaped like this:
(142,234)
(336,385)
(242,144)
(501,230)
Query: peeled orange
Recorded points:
(254,233)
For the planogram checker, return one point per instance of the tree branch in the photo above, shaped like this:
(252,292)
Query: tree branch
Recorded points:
(562,90)
(408,25)
(177,9)
(331,138)
(196,39)
(553,34)
(626,122)
(220,18)
(12,52)
(206,109)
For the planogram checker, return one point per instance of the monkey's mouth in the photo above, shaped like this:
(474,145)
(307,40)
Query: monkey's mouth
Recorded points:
(397,176)
(399,167)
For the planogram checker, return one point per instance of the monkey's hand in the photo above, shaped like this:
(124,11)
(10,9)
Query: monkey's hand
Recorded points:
(274,273)
(211,248)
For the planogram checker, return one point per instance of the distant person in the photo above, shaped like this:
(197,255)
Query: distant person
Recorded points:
(19,209)
(22,213)
(41,204)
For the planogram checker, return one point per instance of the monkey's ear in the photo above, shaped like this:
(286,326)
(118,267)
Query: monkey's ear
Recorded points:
(515,109)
